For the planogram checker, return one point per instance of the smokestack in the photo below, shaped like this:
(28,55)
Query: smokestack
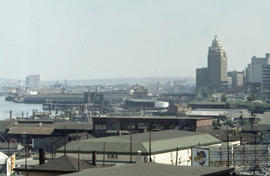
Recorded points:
(94,158)
(41,156)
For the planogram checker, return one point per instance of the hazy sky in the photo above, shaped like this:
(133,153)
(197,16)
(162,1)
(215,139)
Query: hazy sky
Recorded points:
(88,39)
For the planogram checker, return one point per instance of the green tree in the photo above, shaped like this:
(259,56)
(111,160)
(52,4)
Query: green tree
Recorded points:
(205,93)
(252,97)
(224,98)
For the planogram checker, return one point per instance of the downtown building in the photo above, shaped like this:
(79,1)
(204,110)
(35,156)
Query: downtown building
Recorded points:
(237,79)
(257,78)
(215,75)
(32,82)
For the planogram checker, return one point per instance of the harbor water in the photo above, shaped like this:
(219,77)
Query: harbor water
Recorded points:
(16,108)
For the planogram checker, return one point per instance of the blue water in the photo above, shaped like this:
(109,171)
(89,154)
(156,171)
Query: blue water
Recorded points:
(16,108)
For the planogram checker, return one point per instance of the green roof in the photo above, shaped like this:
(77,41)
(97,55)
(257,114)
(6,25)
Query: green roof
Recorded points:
(154,169)
(162,141)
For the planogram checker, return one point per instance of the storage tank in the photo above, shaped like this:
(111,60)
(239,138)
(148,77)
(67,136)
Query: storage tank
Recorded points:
(161,104)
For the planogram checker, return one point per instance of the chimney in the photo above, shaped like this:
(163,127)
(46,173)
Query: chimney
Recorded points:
(41,156)
(94,158)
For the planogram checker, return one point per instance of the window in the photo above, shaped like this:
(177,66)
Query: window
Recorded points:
(112,156)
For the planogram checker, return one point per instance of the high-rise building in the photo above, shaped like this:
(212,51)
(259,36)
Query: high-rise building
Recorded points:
(254,70)
(202,78)
(32,82)
(237,78)
(266,80)
(217,64)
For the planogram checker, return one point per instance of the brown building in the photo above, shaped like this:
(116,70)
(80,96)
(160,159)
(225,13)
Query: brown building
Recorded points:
(195,123)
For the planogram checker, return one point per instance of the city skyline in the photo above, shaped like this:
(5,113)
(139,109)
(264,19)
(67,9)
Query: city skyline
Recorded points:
(105,40)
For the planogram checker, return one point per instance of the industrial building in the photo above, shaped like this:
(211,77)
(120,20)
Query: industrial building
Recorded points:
(136,123)
(208,105)
(167,147)
(43,133)
(195,123)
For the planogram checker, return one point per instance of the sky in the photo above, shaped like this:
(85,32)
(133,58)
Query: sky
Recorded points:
(98,39)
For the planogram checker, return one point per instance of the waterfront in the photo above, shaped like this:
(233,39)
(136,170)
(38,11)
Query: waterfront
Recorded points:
(16,108)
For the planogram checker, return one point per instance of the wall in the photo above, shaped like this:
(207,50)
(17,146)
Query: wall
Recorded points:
(183,159)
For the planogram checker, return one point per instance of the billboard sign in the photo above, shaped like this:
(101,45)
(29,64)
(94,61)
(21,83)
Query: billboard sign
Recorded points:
(200,157)
(10,165)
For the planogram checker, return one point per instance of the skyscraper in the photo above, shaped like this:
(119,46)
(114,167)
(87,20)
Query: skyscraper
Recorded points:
(217,64)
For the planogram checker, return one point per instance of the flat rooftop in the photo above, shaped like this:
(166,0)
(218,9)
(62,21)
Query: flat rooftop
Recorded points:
(137,117)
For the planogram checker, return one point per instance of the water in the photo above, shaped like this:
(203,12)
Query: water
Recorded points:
(16,108)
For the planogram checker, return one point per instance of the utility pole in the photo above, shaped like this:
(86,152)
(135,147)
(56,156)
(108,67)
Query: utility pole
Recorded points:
(79,160)
(176,159)
(255,165)
(65,142)
(131,147)
(150,139)
(52,151)
(104,154)
(228,150)
(25,155)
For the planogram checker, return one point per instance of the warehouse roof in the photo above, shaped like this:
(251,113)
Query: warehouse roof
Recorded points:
(207,103)
(61,164)
(32,131)
(43,128)
(161,141)
(143,100)
(4,124)
(229,112)
(206,113)
(154,169)
(138,117)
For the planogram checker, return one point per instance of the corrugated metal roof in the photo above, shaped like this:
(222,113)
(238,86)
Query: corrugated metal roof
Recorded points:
(162,141)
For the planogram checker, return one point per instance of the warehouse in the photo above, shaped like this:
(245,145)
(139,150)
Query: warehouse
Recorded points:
(167,147)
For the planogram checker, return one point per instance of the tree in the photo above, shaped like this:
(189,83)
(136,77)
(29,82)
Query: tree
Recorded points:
(205,93)
(224,98)
(252,97)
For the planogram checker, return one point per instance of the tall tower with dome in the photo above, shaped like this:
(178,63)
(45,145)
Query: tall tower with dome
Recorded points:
(217,64)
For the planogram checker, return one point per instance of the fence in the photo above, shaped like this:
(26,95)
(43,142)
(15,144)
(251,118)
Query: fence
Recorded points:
(240,155)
